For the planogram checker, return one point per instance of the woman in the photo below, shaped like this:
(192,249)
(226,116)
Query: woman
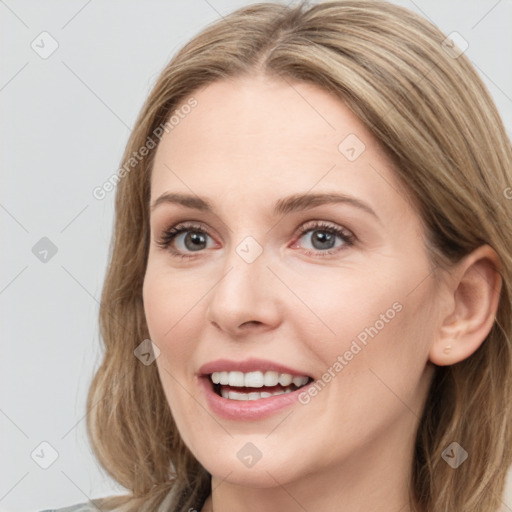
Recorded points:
(313,229)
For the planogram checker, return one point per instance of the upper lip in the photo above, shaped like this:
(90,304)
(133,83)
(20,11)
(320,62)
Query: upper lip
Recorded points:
(248,365)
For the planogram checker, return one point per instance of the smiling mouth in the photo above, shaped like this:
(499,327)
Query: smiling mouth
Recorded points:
(256,385)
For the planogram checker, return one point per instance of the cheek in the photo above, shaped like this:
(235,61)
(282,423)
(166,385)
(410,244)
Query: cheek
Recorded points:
(372,372)
(156,303)
(343,302)
(167,313)
(371,320)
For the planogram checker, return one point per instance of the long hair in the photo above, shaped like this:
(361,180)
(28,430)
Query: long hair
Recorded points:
(425,103)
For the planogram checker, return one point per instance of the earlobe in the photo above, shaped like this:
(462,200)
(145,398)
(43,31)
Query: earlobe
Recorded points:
(476,287)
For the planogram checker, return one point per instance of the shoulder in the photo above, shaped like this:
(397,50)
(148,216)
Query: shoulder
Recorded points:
(79,507)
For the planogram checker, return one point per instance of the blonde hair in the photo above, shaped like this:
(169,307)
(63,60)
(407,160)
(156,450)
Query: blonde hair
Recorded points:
(437,122)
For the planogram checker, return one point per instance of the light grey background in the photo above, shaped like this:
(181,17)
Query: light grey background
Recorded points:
(64,123)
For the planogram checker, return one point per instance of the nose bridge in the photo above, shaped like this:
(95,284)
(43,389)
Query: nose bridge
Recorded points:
(244,272)
(243,293)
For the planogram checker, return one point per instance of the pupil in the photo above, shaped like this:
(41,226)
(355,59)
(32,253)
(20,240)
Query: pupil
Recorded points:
(323,237)
(196,238)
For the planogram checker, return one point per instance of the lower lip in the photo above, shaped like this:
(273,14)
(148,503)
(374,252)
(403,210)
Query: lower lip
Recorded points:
(247,409)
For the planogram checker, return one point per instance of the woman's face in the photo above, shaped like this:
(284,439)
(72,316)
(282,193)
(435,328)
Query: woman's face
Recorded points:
(339,291)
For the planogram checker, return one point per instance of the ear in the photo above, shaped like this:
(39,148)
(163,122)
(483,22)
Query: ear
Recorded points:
(474,285)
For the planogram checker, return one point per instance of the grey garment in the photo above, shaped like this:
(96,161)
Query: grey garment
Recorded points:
(79,507)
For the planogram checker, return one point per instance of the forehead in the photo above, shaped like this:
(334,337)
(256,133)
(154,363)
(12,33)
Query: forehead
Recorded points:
(259,116)
(259,137)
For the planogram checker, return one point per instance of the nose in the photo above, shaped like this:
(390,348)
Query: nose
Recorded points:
(247,296)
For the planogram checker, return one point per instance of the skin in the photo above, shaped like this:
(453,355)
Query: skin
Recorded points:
(248,143)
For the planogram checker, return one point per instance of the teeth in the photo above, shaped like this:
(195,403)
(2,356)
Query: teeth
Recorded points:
(271,379)
(300,381)
(285,379)
(256,379)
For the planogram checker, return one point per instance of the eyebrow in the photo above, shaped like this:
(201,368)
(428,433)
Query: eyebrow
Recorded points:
(292,203)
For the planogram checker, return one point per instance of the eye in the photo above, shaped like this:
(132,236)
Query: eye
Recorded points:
(187,237)
(322,238)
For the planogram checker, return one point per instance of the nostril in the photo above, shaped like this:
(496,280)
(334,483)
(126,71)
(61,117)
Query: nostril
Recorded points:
(256,322)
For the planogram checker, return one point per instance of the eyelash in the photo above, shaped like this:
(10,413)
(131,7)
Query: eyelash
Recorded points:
(171,233)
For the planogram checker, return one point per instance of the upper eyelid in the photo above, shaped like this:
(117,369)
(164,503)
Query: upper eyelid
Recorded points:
(191,225)
(322,224)
(315,224)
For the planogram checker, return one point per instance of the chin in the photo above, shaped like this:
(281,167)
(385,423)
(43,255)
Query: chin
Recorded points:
(267,472)
(262,478)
